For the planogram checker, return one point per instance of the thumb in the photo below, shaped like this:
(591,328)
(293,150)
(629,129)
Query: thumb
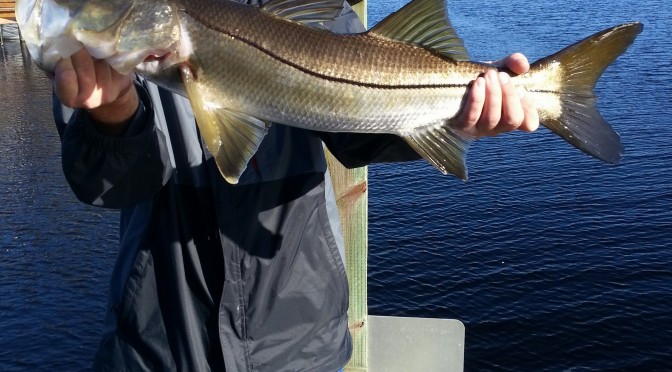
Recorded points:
(516,62)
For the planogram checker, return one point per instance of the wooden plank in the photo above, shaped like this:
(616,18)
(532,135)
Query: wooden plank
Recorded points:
(8,11)
(7,15)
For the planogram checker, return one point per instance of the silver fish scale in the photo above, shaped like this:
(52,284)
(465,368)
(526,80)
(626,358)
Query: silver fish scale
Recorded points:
(242,74)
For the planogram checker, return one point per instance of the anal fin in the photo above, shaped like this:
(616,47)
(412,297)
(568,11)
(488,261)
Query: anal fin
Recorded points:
(231,137)
(442,146)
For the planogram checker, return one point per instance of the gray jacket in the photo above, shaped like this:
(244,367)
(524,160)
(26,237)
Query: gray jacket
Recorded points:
(213,276)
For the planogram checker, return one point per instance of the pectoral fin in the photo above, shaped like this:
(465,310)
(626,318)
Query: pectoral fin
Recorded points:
(231,137)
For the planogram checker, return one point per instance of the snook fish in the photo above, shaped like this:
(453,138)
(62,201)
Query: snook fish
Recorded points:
(243,67)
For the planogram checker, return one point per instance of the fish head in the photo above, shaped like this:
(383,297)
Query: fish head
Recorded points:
(125,33)
(42,24)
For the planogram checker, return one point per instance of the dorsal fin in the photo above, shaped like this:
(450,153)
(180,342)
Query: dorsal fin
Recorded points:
(424,23)
(305,11)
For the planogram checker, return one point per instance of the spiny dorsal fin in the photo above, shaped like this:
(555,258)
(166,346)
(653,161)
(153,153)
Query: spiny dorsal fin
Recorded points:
(231,137)
(305,11)
(424,23)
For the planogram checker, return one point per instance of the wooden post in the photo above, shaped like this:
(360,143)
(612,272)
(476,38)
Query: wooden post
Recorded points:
(350,187)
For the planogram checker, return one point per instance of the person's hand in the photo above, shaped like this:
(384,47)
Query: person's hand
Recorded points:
(108,96)
(494,104)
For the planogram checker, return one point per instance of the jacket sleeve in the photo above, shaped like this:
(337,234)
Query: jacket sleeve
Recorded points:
(359,149)
(113,172)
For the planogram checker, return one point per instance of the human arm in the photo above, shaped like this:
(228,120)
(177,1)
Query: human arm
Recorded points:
(113,154)
(86,83)
(493,106)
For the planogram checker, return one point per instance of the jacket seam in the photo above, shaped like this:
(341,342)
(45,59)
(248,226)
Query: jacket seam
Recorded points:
(240,289)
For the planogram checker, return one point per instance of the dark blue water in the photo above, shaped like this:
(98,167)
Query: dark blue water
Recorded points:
(554,261)
(56,254)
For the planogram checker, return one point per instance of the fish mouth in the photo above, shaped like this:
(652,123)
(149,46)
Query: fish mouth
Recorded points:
(157,58)
(156,61)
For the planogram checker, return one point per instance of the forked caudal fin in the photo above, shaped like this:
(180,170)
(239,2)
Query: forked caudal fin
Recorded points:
(569,76)
(579,66)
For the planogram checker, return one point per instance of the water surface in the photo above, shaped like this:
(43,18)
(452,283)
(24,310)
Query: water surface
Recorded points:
(552,260)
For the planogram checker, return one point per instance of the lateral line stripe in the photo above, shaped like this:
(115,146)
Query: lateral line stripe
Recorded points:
(341,80)
(326,77)
(348,81)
